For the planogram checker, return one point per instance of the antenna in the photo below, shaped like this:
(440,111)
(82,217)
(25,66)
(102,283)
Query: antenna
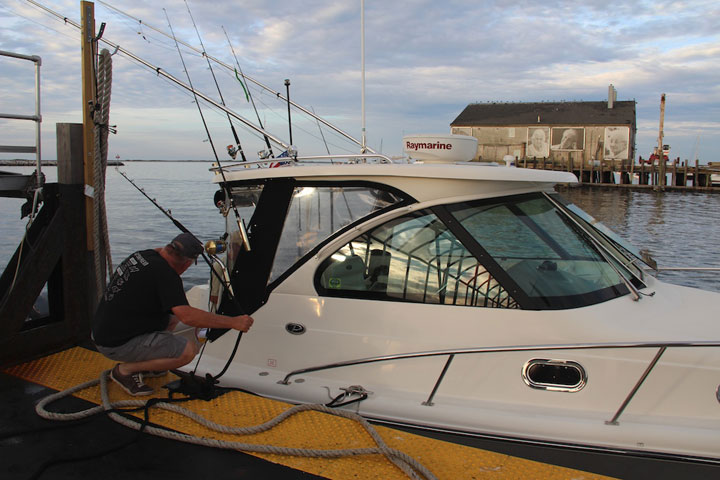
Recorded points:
(287,89)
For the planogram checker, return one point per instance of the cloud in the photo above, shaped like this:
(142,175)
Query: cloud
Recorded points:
(425,62)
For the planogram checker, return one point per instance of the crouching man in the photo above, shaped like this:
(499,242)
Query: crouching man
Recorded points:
(141,306)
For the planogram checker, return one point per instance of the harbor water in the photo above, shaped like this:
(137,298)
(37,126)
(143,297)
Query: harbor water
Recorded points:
(678,229)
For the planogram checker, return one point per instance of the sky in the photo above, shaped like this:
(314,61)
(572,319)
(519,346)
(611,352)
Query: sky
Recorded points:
(425,61)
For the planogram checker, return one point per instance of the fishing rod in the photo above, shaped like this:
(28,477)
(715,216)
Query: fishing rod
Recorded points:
(229,67)
(231,150)
(167,213)
(160,72)
(247,91)
(187,73)
(228,196)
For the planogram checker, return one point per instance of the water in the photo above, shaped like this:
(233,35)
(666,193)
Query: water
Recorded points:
(184,188)
(678,229)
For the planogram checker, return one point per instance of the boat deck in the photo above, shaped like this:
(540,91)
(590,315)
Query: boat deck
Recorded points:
(58,450)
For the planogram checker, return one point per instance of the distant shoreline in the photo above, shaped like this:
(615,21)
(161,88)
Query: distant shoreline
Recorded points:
(112,163)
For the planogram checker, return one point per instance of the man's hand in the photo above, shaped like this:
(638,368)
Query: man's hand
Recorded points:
(242,322)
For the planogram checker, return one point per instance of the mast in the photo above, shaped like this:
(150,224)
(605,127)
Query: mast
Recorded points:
(363,145)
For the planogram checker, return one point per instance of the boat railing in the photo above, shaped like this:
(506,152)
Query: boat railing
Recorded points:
(661,346)
(37,118)
(333,159)
(39,179)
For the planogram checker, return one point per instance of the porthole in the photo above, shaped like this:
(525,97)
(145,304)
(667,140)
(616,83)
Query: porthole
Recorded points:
(554,375)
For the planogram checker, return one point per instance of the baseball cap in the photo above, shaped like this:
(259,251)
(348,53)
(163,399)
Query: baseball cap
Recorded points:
(187,245)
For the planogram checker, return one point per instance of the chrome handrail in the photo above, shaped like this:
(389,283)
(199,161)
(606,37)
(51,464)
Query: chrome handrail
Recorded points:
(661,346)
(311,158)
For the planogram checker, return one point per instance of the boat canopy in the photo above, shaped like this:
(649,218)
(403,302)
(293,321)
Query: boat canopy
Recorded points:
(517,247)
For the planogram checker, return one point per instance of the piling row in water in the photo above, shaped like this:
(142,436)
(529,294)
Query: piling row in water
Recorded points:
(623,174)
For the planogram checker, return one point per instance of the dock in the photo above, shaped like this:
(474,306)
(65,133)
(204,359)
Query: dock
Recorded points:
(313,431)
(34,447)
(679,175)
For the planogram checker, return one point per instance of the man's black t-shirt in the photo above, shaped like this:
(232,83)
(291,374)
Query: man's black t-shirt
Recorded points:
(138,300)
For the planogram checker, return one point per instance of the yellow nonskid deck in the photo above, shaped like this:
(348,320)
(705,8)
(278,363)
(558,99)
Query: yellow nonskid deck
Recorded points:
(310,430)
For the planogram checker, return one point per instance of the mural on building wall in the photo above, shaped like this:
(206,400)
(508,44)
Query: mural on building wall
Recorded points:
(537,142)
(564,138)
(617,141)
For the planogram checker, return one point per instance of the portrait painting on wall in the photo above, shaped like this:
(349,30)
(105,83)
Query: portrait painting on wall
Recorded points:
(567,138)
(617,142)
(538,142)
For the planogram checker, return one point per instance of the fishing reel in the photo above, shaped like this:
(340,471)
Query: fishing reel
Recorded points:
(232,151)
(216,247)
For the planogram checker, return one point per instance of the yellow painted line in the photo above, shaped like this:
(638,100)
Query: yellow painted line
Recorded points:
(306,430)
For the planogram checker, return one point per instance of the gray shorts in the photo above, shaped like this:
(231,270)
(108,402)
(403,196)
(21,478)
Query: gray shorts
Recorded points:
(147,347)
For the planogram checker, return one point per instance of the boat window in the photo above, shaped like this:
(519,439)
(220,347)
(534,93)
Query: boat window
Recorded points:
(412,258)
(620,248)
(317,212)
(542,250)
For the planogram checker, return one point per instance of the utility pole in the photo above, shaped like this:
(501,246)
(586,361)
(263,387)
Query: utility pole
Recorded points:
(661,154)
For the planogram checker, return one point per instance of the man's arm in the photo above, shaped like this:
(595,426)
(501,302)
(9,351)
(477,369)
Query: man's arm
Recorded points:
(195,317)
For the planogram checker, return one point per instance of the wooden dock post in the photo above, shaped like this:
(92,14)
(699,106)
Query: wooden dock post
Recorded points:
(88,44)
(79,295)
(59,259)
(582,164)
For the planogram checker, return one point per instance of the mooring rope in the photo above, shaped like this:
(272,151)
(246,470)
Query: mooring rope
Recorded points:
(102,129)
(405,462)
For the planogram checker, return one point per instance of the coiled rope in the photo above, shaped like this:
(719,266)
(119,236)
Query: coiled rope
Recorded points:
(406,463)
(102,129)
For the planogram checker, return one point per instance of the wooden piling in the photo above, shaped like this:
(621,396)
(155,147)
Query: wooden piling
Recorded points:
(78,264)
(59,259)
(683,176)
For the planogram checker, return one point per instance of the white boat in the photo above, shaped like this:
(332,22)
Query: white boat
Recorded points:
(462,298)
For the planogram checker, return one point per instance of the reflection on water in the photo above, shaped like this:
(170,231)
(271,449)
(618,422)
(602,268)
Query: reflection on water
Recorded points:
(679,229)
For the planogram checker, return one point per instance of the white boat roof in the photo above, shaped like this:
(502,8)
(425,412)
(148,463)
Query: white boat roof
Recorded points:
(424,181)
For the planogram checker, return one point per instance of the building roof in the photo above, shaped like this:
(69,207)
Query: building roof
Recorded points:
(546,113)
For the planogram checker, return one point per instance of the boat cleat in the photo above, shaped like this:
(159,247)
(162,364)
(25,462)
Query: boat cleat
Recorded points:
(357,391)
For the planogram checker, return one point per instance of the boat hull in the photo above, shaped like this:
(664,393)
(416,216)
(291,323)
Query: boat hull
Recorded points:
(675,412)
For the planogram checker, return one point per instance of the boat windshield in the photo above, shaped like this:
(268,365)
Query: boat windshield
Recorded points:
(549,255)
(606,236)
(317,212)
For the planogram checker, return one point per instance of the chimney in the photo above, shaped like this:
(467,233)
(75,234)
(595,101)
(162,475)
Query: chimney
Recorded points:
(612,96)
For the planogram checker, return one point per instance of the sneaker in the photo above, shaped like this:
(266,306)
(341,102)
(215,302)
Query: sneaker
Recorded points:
(154,373)
(132,383)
